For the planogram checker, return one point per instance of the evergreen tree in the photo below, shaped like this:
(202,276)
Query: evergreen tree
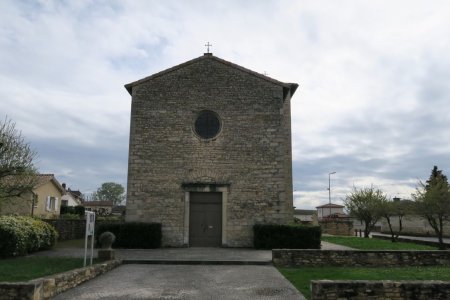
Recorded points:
(433,202)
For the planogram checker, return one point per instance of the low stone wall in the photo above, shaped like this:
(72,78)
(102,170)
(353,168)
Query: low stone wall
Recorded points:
(386,289)
(48,287)
(20,290)
(336,227)
(350,258)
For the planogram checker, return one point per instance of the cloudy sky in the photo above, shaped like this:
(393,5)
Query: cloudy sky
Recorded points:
(373,103)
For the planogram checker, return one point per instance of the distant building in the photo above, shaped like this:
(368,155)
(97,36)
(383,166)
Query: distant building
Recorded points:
(44,201)
(71,198)
(306,216)
(331,210)
(101,208)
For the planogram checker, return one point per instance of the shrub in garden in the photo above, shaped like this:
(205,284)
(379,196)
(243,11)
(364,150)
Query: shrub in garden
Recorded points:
(269,236)
(66,210)
(69,217)
(72,210)
(79,210)
(22,235)
(133,234)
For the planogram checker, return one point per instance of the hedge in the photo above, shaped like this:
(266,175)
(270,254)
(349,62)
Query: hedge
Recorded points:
(286,237)
(133,235)
(74,210)
(22,235)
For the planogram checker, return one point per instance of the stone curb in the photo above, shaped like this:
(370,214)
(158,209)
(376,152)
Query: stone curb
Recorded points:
(194,262)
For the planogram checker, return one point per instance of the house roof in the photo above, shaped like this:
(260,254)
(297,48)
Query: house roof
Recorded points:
(330,205)
(44,178)
(97,203)
(287,87)
(338,215)
(304,211)
(76,194)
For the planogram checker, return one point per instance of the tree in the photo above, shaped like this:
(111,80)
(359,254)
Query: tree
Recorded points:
(17,170)
(364,204)
(110,191)
(433,202)
(389,209)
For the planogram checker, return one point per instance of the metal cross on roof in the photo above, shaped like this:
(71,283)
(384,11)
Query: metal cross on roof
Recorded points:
(207,45)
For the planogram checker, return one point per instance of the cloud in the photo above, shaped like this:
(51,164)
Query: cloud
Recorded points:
(372,103)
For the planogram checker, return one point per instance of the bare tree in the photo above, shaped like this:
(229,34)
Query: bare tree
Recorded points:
(390,210)
(17,170)
(364,204)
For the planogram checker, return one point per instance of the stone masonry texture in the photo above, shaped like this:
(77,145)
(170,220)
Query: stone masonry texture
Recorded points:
(250,158)
(379,290)
(357,258)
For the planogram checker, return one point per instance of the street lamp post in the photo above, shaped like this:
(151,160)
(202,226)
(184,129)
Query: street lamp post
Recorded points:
(329,189)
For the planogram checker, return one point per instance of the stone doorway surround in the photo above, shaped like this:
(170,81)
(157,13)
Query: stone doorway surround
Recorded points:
(205,187)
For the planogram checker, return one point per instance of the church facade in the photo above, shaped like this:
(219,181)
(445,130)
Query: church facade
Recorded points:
(210,153)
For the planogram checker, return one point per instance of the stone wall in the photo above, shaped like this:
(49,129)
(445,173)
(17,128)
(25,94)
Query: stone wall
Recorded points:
(337,227)
(365,289)
(413,225)
(250,157)
(351,258)
(50,286)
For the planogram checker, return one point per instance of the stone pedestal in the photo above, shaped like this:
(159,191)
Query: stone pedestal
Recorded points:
(106,254)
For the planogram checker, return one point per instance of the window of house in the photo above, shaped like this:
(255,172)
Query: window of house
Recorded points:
(64,202)
(52,204)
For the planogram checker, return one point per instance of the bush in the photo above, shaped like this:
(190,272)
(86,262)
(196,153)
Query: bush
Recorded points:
(23,235)
(79,210)
(72,210)
(69,217)
(286,237)
(133,235)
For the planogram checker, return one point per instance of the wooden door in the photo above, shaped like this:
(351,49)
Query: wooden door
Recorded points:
(205,219)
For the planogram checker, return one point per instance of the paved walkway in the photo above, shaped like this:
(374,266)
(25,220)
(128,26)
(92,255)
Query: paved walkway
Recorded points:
(197,254)
(417,238)
(186,282)
(186,273)
(330,246)
(248,255)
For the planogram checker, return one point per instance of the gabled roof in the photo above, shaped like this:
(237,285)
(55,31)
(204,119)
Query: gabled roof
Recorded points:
(330,205)
(304,212)
(287,87)
(76,194)
(44,178)
(97,203)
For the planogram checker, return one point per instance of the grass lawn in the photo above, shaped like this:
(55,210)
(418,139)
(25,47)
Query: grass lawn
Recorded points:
(301,277)
(374,244)
(26,268)
(72,243)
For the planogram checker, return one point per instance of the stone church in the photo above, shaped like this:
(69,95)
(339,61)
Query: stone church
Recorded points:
(210,153)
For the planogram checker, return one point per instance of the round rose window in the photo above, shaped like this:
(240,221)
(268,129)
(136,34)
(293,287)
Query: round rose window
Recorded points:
(207,125)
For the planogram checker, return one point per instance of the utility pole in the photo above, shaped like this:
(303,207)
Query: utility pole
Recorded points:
(329,189)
